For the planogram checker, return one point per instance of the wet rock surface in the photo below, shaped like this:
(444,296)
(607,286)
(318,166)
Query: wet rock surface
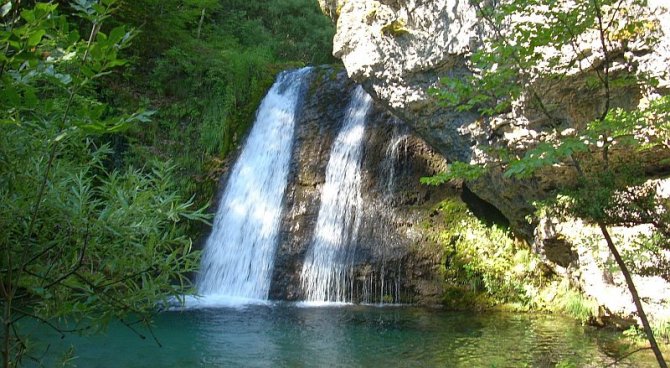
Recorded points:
(394,261)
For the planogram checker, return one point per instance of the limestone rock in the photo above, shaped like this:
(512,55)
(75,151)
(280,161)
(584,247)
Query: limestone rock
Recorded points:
(592,268)
(399,49)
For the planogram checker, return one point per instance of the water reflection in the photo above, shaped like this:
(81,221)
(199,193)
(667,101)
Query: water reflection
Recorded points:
(284,335)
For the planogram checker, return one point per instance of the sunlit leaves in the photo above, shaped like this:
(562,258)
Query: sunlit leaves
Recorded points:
(457,170)
(81,241)
(95,124)
(544,154)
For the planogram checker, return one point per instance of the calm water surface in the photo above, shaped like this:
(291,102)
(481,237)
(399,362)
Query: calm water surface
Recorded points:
(286,335)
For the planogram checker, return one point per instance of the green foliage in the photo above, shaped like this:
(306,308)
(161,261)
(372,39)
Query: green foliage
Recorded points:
(618,129)
(95,188)
(82,242)
(457,170)
(205,66)
(661,329)
(164,23)
(575,304)
(104,244)
(485,265)
(542,155)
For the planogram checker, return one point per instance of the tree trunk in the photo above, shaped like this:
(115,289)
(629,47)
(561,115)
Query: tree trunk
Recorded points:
(636,297)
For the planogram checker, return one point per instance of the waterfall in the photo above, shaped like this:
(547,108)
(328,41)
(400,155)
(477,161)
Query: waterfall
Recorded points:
(326,273)
(395,150)
(238,257)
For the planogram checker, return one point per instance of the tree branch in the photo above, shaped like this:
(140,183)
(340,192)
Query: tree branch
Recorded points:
(633,291)
(59,330)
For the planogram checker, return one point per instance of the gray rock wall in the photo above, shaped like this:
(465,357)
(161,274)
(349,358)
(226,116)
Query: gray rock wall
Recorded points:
(394,260)
(399,49)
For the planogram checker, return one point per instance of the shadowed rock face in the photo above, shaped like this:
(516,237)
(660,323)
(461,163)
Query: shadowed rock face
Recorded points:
(394,261)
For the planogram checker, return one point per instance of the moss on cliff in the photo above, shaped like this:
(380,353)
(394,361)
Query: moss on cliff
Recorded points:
(396,28)
(487,267)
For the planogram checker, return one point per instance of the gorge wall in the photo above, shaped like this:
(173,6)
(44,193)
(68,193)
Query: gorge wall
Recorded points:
(398,49)
(432,40)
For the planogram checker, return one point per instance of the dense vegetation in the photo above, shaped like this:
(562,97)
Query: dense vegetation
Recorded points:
(488,267)
(204,65)
(118,117)
(111,112)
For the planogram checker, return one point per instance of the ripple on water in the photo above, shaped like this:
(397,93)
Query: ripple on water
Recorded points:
(288,335)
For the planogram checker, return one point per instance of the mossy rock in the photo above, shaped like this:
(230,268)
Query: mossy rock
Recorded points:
(396,28)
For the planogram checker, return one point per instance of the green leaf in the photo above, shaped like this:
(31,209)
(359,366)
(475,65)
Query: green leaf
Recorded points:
(143,116)
(456,170)
(10,95)
(43,10)
(84,6)
(30,98)
(117,34)
(28,15)
(36,37)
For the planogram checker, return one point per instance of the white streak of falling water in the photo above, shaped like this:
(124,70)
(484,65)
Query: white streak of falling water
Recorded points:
(326,273)
(239,254)
(395,150)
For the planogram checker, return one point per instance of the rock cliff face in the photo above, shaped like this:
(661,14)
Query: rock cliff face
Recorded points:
(394,260)
(398,49)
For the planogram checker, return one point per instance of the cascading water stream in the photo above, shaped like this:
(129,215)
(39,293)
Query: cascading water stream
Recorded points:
(238,257)
(395,150)
(326,272)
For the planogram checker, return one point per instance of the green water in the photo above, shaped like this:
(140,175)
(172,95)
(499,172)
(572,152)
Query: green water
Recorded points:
(285,335)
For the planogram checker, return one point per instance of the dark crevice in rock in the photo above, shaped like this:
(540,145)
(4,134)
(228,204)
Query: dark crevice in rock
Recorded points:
(483,210)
